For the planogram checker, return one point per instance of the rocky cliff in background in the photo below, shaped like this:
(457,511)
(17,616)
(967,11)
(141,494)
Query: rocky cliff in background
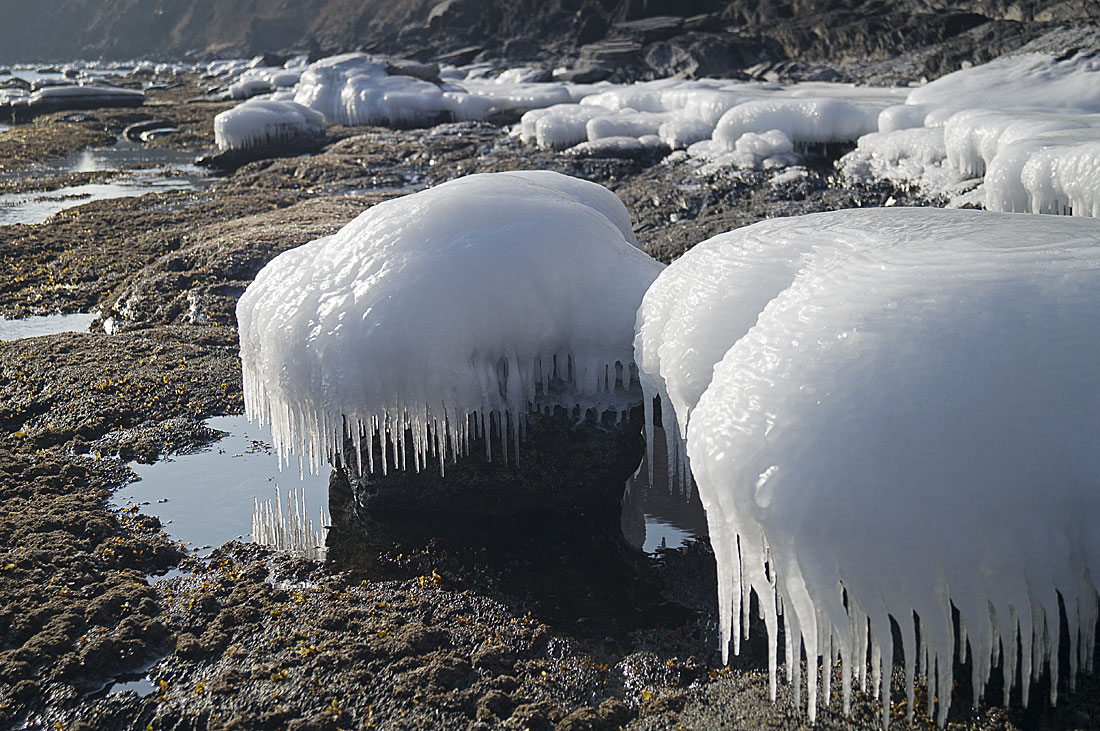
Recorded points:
(634,38)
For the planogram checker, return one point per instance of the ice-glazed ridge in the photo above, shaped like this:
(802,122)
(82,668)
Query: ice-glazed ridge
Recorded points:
(906,424)
(1024,127)
(448,313)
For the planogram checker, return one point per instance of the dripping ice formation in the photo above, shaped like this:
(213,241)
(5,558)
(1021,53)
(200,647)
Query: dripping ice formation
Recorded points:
(444,313)
(1023,128)
(889,412)
(265,122)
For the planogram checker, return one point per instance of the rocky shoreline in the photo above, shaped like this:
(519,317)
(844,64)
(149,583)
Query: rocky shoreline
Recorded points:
(391,631)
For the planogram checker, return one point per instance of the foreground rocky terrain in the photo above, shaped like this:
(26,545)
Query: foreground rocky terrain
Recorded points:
(391,631)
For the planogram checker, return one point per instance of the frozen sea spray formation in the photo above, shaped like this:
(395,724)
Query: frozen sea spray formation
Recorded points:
(263,124)
(734,123)
(1026,126)
(440,315)
(889,413)
(358,89)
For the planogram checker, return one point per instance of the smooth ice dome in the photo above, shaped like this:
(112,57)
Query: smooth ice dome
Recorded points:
(263,122)
(890,412)
(443,311)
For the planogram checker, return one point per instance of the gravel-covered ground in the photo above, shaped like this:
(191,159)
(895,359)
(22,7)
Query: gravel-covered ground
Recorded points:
(549,632)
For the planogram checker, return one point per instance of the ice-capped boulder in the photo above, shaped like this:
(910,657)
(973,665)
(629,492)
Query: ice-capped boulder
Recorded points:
(440,312)
(475,338)
(889,414)
(267,124)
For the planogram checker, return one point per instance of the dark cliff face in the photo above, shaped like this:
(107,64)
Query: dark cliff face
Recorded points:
(732,34)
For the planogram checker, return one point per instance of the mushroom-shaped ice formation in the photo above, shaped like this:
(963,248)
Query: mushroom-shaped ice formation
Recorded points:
(433,316)
(263,123)
(890,413)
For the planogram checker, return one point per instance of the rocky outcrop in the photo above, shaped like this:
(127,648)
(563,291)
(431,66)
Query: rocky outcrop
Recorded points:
(630,38)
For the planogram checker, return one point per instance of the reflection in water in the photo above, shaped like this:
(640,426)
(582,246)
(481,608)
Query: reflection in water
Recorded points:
(32,327)
(142,171)
(208,498)
(291,531)
(656,517)
(234,489)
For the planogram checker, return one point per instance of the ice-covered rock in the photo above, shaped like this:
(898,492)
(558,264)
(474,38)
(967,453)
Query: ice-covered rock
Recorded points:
(802,120)
(443,314)
(263,79)
(889,414)
(906,156)
(264,124)
(1023,81)
(1026,125)
(69,96)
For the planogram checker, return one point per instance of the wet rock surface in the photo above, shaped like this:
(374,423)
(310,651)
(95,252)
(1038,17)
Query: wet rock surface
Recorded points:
(570,469)
(398,628)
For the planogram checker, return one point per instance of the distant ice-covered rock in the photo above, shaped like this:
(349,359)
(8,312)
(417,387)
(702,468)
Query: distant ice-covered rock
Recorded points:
(1025,125)
(802,120)
(889,414)
(69,96)
(266,124)
(445,311)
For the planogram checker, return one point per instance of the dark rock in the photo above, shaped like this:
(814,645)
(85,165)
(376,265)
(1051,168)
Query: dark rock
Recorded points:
(405,67)
(572,468)
(230,160)
(156,134)
(611,53)
(648,30)
(134,131)
(461,56)
(584,75)
(77,118)
(591,29)
(521,49)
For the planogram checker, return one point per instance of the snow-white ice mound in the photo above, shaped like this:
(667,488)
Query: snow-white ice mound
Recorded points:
(1025,127)
(444,312)
(265,123)
(358,89)
(714,119)
(890,412)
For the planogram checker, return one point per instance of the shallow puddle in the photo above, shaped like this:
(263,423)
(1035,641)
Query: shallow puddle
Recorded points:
(140,171)
(656,517)
(32,327)
(208,498)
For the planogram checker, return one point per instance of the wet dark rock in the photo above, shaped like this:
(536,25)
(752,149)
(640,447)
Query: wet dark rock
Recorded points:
(134,131)
(571,469)
(230,160)
(76,118)
(156,134)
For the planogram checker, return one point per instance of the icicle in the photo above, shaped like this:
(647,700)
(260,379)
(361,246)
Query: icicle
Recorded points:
(876,665)
(908,648)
